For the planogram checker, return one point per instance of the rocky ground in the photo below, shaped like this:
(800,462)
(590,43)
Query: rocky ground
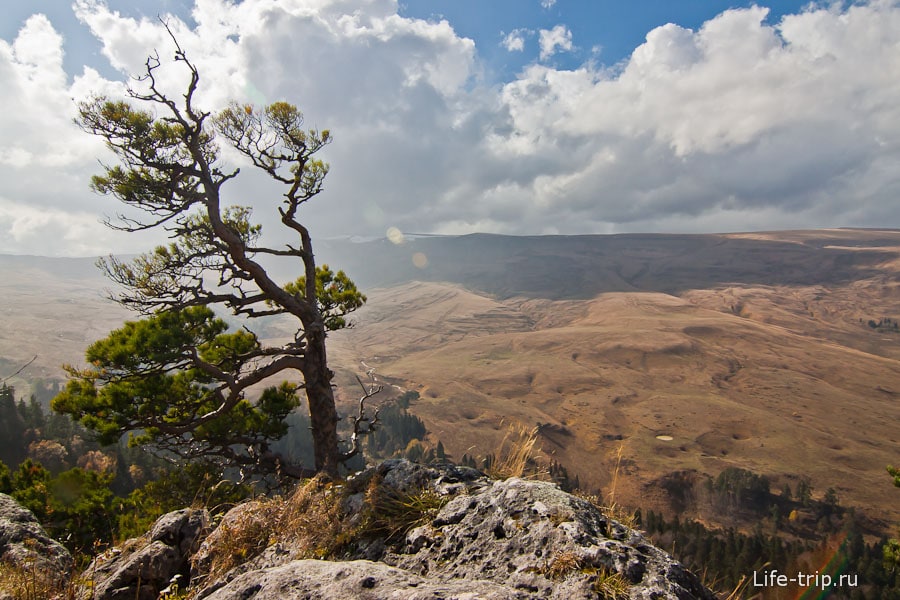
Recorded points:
(399,530)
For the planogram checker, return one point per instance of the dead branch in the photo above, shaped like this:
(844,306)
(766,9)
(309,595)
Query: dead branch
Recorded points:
(362,423)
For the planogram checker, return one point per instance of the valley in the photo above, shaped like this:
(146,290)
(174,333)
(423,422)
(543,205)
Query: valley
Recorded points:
(636,357)
(770,372)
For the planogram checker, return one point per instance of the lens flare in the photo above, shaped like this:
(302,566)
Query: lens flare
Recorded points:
(395,236)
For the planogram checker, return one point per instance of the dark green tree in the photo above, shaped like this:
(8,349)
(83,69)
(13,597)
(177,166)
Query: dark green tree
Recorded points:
(75,506)
(892,547)
(786,493)
(148,378)
(196,483)
(32,414)
(81,508)
(5,479)
(190,386)
(740,488)
(12,440)
(830,502)
(804,491)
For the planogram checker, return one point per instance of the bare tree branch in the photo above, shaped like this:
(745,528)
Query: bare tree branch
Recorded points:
(22,368)
(362,423)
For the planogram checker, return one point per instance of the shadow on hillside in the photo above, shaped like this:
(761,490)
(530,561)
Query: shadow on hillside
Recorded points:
(579,267)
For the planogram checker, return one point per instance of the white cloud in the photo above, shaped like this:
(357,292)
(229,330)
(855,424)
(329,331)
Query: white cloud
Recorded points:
(32,118)
(739,116)
(554,40)
(514,41)
(43,230)
(44,195)
(739,124)
(548,3)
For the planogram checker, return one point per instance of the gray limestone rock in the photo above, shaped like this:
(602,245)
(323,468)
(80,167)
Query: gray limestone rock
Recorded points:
(142,567)
(354,580)
(492,539)
(530,535)
(23,542)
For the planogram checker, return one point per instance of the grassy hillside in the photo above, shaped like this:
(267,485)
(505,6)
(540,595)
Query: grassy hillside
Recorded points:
(757,351)
(774,352)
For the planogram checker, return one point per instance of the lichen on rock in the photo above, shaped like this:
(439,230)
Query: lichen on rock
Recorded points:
(399,530)
(413,530)
(142,567)
(26,548)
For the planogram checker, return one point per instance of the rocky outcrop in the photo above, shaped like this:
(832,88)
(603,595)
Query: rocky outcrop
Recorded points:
(142,567)
(25,544)
(357,579)
(400,530)
(480,539)
(531,536)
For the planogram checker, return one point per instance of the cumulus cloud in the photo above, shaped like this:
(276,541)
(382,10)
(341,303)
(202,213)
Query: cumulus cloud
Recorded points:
(39,230)
(548,3)
(554,40)
(391,89)
(44,156)
(740,124)
(514,41)
(738,117)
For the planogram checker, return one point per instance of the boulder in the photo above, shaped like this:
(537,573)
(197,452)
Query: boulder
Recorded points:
(142,567)
(531,536)
(351,580)
(482,539)
(25,544)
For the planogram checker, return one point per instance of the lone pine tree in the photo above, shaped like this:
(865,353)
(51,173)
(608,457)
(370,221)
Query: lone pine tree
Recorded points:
(177,380)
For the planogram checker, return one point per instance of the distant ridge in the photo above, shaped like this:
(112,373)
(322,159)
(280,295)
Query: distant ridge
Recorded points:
(582,266)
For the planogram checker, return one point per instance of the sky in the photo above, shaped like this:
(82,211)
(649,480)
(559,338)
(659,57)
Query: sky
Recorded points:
(461,116)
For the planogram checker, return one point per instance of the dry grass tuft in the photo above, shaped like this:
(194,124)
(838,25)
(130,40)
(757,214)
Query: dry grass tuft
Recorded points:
(311,519)
(613,509)
(625,516)
(243,537)
(312,523)
(391,513)
(562,564)
(610,508)
(30,582)
(737,593)
(611,497)
(607,583)
(611,585)
(516,455)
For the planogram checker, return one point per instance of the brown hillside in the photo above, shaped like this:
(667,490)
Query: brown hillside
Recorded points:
(774,352)
(777,378)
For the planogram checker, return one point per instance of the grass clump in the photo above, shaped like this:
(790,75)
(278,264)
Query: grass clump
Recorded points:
(392,513)
(309,519)
(606,583)
(562,565)
(316,522)
(611,508)
(516,455)
(312,518)
(609,584)
(243,536)
(31,582)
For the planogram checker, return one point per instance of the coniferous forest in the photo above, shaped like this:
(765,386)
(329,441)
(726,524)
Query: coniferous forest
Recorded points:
(90,496)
